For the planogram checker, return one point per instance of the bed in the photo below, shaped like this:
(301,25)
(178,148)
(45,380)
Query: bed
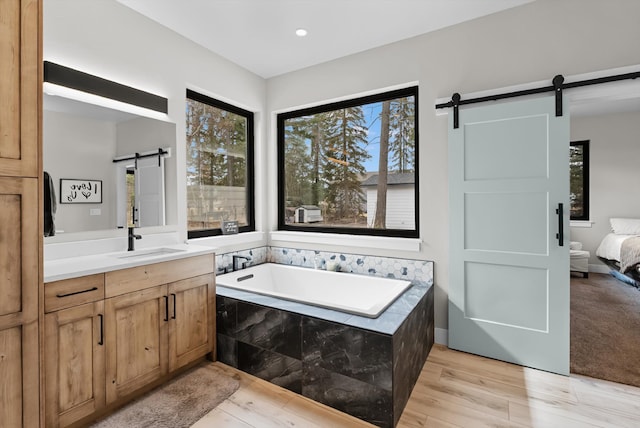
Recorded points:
(620,249)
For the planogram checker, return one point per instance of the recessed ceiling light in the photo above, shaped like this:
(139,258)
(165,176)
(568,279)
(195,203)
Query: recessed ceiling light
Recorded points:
(301,32)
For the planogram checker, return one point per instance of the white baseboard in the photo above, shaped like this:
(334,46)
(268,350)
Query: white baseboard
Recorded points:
(599,268)
(441,336)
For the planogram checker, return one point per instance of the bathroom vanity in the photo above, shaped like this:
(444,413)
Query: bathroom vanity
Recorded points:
(111,335)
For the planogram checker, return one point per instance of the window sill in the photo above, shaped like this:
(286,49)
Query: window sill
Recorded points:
(581,223)
(362,241)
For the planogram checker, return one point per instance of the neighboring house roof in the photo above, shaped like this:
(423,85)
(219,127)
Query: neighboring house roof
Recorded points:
(309,207)
(393,178)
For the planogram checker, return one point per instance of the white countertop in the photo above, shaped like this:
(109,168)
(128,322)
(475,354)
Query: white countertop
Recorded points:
(72,267)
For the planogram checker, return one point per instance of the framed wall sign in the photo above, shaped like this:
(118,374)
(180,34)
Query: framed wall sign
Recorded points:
(75,191)
(229,227)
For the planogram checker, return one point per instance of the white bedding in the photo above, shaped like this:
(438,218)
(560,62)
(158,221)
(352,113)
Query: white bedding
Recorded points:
(610,246)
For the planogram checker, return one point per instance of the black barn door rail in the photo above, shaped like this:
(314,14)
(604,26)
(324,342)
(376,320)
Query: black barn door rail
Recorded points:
(557,86)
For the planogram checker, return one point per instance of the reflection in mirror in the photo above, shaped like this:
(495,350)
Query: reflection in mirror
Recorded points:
(140,189)
(81,141)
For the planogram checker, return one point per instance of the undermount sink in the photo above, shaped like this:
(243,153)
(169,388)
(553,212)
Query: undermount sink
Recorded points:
(148,253)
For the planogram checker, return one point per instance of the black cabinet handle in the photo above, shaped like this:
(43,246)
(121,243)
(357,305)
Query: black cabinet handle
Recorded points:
(560,234)
(77,292)
(166,308)
(101,341)
(174,306)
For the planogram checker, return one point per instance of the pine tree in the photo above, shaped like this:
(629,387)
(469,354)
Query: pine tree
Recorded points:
(297,160)
(402,144)
(345,153)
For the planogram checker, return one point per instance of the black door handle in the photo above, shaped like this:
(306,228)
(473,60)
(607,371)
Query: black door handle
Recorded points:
(174,306)
(560,234)
(166,308)
(101,341)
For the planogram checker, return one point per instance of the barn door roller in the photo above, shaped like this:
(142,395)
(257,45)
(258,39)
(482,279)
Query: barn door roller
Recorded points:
(557,86)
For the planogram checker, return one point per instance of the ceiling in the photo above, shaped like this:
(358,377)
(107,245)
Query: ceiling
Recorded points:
(259,35)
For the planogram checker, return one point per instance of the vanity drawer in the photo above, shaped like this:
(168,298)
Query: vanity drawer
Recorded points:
(72,292)
(123,281)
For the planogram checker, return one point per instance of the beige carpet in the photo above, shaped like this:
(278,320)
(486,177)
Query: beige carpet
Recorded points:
(605,329)
(179,403)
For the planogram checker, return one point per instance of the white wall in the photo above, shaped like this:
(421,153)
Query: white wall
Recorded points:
(614,152)
(107,39)
(529,43)
(67,139)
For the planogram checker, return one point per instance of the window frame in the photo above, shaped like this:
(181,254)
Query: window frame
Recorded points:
(250,163)
(352,102)
(585,181)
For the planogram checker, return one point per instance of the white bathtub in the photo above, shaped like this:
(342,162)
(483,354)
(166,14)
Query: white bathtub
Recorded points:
(356,294)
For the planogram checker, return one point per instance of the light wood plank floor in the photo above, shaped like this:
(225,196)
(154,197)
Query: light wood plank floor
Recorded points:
(454,390)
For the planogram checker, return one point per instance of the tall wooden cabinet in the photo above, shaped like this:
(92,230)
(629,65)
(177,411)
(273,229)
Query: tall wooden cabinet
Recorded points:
(20,218)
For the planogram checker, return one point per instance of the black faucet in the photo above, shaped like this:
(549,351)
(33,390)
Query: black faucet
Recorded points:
(234,266)
(132,238)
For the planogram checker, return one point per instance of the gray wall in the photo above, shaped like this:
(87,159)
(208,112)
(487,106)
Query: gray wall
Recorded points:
(107,39)
(530,43)
(614,173)
(82,148)
(146,135)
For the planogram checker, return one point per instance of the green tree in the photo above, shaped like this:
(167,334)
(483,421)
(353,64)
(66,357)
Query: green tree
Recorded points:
(402,144)
(346,142)
(297,161)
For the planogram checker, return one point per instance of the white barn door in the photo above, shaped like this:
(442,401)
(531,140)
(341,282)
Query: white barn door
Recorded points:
(509,274)
(149,193)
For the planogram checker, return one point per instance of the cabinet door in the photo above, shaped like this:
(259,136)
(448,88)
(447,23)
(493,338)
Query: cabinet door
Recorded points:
(20,87)
(19,379)
(19,375)
(135,340)
(74,363)
(191,327)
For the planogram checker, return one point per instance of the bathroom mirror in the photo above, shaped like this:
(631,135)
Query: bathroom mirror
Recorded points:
(81,142)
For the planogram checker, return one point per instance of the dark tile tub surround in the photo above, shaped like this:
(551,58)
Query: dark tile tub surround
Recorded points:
(361,366)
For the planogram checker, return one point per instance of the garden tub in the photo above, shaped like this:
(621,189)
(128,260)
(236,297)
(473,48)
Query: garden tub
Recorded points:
(356,294)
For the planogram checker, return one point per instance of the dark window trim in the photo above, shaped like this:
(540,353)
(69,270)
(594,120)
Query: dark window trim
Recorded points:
(251,220)
(398,233)
(585,178)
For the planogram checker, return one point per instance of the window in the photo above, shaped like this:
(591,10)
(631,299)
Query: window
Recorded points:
(351,166)
(219,166)
(579,180)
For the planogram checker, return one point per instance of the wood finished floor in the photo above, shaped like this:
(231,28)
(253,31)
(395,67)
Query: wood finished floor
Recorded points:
(454,390)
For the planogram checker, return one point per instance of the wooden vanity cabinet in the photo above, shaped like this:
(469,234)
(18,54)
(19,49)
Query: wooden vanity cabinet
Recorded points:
(74,346)
(109,335)
(158,318)
(157,330)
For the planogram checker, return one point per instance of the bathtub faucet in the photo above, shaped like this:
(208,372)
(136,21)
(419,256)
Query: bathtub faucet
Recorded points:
(234,266)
